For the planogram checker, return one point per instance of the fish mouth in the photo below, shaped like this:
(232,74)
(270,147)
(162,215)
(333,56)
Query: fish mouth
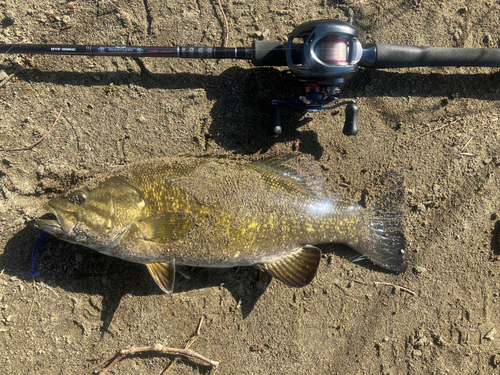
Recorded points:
(55,225)
(49,226)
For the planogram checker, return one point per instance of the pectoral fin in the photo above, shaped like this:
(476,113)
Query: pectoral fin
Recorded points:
(162,228)
(163,274)
(297,269)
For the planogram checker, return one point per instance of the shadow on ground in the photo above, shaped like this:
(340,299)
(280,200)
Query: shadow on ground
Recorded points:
(242,97)
(77,269)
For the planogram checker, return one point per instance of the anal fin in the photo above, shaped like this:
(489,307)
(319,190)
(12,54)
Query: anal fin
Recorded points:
(163,274)
(183,270)
(297,269)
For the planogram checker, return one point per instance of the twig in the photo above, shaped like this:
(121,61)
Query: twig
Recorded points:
(396,286)
(188,344)
(466,144)
(9,77)
(37,142)
(157,348)
(52,290)
(32,303)
(433,130)
(357,281)
(225,22)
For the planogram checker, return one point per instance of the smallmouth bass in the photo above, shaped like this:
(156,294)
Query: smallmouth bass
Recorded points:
(219,212)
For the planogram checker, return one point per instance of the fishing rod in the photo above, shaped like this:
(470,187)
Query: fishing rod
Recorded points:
(321,54)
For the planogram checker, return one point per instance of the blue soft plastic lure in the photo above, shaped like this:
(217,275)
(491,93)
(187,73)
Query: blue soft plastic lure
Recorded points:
(39,241)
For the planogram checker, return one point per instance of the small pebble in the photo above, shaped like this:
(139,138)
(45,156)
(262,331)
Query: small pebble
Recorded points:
(439,341)
(495,361)
(10,17)
(490,335)
(417,353)
(419,270)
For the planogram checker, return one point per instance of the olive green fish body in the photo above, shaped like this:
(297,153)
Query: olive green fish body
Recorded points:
(214,212)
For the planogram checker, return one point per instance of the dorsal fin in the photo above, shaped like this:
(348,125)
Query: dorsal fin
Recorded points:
(165,227)
(163,274)
(297,269)
(303,179)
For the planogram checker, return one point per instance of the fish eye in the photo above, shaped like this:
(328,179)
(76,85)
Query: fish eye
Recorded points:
(78,198)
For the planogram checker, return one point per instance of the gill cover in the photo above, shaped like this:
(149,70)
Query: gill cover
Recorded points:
(97,218)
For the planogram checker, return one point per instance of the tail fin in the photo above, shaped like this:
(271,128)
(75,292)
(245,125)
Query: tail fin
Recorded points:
(385,244)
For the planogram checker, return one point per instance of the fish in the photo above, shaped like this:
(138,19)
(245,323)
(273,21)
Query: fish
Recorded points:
(206,211)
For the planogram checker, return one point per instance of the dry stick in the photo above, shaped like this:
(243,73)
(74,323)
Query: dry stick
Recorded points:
(37,142)
(9,77)
(466,144)
(32,303)
(432,131)
(396,286)
(188,344)
(225,22)
(52,290)
(157,348)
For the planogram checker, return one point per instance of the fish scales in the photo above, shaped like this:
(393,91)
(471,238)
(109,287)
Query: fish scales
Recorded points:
(250,219)
(216,212)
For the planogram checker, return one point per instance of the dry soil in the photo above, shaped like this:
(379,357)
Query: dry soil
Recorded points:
(85,306)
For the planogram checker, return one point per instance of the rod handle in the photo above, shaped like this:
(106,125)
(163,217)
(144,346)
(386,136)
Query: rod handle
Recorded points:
(402,56)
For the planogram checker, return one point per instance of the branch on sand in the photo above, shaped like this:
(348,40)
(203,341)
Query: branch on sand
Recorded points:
(37,142)
(110,362)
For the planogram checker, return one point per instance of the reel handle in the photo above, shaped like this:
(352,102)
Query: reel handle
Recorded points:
(275,124)
(351,119)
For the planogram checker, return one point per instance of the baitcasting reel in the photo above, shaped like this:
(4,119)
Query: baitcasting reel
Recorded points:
(321,54)
(325,56)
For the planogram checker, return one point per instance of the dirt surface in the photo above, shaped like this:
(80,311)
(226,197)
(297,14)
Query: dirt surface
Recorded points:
(85,306)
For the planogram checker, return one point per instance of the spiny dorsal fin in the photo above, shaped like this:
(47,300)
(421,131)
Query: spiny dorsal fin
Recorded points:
(162,228)
(163,274)
(278,176)
(297,269)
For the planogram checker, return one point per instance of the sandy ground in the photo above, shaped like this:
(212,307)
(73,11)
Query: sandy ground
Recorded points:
(85,306)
